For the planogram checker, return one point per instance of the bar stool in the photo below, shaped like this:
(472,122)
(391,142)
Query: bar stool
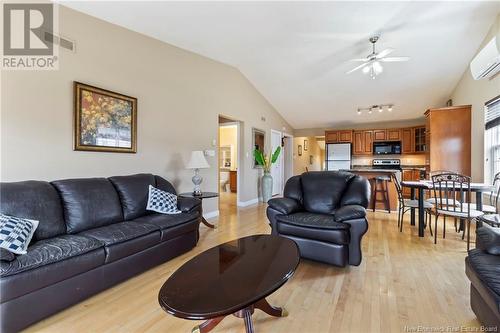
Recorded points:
(382,189)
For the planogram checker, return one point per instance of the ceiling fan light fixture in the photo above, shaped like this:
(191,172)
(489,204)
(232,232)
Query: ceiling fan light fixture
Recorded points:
(377,67)
(366,69)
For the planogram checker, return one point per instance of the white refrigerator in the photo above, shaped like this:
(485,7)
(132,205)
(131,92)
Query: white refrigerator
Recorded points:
(338,156)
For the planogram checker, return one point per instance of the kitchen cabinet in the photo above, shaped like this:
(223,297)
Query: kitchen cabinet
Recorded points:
(341,136)
(419,145)
(345,136)
(380,135)
(407,141)
(362,143)
(393,134)
(408,175)
(444,126)
(331,136)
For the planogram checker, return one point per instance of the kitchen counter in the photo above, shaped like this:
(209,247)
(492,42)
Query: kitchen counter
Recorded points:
(370,169)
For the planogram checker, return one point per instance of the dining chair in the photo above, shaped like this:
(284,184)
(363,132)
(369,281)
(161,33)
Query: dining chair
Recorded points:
(492,219)
(492,208)
(450,201)
(453,186)
(407,204)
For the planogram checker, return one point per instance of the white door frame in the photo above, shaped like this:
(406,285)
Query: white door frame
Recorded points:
(280,190)
(290,159)
(239,171)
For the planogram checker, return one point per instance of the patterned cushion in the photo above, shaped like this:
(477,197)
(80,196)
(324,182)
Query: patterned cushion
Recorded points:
(162,202)
(16,233)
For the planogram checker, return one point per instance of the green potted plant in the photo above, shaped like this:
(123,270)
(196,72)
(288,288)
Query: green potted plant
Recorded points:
(266,161)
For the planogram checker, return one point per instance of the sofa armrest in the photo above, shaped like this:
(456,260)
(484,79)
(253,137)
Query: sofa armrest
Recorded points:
(488,239)
(188,205)
(285,205)
(350,212)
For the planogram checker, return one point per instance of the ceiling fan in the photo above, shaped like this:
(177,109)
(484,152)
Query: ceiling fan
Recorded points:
(372,63)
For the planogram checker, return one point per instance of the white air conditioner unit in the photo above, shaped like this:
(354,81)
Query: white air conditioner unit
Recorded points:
(487,61)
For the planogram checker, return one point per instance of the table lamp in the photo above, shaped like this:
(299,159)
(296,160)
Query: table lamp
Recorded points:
(197,162)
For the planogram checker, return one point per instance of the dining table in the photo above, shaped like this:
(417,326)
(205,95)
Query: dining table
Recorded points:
(420,186)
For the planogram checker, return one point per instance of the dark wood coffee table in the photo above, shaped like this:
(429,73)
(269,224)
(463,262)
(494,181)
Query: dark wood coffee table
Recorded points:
(232,278)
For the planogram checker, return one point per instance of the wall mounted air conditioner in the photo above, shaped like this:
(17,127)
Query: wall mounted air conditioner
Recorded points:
(487,61)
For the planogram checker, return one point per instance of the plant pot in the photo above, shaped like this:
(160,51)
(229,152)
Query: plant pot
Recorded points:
(267,186)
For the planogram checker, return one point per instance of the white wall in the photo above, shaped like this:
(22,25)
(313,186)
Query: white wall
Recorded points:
(476,93)
(180,96)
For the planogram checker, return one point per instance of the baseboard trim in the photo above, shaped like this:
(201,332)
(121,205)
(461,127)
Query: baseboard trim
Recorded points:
(248,203)
(210,215)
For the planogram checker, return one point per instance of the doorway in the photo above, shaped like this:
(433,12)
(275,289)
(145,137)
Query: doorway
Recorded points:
(228,161)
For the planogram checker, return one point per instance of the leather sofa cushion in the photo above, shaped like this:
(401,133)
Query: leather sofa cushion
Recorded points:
(486,268)
(189,205)
(323,190)
(293,189)
(125,238)
(164,185)
(358,192)
(6,255)
(35,200)
(488,239)
(349,212)
(49,251)
(22,283)
(88,203)
(314,226)
(171,225)
(285,205)
(120,232)
(133,192)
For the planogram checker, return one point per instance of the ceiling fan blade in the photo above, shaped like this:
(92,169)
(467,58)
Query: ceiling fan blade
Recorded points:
(358,67)
(360,60)
(384,53)
(395,59)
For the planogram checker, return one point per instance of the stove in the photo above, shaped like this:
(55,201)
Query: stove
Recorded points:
(379,163)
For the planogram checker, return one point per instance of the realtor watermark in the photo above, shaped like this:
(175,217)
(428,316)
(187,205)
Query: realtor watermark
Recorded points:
(452,329)
(28,32)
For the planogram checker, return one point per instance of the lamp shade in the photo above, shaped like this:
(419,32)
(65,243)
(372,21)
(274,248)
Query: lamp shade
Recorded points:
(197,161)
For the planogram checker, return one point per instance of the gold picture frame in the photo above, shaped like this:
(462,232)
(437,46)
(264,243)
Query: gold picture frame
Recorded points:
(104,120)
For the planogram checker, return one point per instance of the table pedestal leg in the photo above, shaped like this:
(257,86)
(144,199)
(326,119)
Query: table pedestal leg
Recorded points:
(421,212)
(412,210)
(246,314)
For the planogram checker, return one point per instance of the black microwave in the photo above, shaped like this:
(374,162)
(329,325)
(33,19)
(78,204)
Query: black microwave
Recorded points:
(387,148)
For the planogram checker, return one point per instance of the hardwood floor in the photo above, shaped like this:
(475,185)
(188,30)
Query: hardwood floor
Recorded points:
(403,282)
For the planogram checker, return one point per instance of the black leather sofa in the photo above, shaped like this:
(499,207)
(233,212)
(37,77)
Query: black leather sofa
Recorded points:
(324,212)
(483,271)
(93,233)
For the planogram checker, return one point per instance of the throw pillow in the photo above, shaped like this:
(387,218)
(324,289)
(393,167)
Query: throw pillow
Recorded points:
(16,233)
(488,239)
(162,202)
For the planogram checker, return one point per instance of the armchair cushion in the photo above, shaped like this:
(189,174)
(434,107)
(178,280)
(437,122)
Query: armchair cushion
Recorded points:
(285,205)
(488,239)
(350,212)
(188,205)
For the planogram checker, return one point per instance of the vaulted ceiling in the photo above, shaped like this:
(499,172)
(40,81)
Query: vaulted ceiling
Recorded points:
(296,53)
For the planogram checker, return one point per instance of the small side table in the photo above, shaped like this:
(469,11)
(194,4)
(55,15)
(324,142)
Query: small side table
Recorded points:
(203,195)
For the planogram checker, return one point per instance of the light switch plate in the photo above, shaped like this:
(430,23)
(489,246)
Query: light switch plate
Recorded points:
(210,152)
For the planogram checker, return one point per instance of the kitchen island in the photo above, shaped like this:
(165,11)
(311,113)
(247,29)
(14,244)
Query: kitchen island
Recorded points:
(370,173)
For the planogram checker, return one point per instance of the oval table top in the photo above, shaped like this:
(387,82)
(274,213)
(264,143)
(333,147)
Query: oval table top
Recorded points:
(229,277)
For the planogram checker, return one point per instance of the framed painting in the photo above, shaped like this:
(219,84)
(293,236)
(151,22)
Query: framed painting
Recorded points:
(104,120)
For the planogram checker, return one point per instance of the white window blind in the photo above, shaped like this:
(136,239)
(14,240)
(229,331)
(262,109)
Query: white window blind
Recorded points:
(492,139)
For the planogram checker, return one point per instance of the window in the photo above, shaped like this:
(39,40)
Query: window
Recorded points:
(492,139)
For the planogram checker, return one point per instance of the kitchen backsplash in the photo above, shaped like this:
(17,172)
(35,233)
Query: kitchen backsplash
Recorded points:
(418,159)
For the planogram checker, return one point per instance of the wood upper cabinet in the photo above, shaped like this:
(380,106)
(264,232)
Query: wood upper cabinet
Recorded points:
(345,136)
(394,134)
(368,142)
(407,141)
(380,135)
(358,143)
(331,136)
(419,140)
(338,136)
(362,143)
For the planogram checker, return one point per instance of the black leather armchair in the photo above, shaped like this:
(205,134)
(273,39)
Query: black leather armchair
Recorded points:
(324,212)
